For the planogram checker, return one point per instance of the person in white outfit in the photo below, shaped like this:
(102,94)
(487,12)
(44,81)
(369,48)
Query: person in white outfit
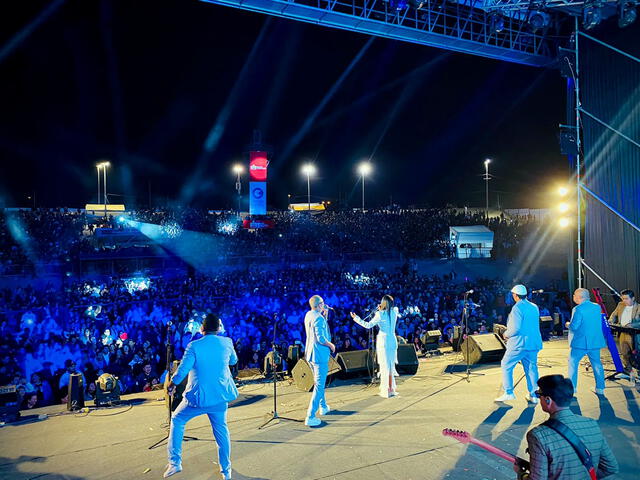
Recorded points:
(209,389)
(386,343)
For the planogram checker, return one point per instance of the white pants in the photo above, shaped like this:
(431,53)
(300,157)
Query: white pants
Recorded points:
(217,416)
(529,359)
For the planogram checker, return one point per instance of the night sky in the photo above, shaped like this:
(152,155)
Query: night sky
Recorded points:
(142,83)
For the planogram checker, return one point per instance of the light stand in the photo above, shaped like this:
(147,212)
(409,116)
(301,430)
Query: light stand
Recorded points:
(170,397)
(273,415)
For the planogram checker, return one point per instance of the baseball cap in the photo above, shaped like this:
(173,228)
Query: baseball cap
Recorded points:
(519,290)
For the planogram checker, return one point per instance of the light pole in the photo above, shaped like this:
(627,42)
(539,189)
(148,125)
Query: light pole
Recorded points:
(103,166)
(308,169)
(486,179)
(364,169)
(238,170)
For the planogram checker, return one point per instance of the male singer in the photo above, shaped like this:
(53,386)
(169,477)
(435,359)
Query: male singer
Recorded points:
(317,351)
(209,389)
(523,344)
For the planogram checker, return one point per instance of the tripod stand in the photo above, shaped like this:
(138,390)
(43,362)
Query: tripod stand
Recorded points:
(273,415)
(465,322)
(169,396)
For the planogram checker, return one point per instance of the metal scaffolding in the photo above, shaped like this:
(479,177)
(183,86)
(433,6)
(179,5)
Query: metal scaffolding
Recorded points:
(465,26)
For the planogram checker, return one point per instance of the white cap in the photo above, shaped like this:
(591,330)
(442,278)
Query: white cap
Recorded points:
(519,290)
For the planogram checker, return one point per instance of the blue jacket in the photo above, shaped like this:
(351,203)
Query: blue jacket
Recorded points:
(585,329)
(317,330)
(207,361)
(523,327)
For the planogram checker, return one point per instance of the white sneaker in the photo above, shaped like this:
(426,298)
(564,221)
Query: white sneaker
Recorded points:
(325,410)
(312,422)
(226,477)
(172,470)
(598,391)
(505,397)
(532,399)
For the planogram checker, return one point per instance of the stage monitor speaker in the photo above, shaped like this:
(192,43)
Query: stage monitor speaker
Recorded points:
(179,391)
(485,348)
(302,374)
(407,359)
(355,363)
(75,392)
(293,356)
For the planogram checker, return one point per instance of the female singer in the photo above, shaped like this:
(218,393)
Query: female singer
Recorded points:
(386,343)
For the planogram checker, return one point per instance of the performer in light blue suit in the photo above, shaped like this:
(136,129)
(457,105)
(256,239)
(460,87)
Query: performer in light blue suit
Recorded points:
(317,350)
(523,344)
(586,338)
(209,388)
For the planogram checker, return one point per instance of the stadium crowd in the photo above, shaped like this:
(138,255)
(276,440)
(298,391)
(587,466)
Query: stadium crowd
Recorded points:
(120,327)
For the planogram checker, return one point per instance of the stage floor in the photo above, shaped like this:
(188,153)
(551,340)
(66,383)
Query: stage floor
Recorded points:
(364,437)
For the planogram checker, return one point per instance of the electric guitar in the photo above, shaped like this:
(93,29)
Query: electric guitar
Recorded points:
(466,437)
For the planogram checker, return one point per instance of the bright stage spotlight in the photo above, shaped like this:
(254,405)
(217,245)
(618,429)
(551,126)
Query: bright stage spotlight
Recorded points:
(563,207)
(564,222)
(627,12)
(238,169)
(563,191)
(539,20)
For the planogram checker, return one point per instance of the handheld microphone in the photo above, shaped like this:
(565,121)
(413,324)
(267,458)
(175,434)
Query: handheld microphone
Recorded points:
(468,292)
(330,308)
(169,323)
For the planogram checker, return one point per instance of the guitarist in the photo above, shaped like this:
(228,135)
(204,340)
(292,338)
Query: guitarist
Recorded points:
(567,446)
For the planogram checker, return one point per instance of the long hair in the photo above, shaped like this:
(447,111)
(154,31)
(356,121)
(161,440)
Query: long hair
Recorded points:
(390,303)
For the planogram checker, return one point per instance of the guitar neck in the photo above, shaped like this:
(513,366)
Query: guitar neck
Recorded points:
(495,450)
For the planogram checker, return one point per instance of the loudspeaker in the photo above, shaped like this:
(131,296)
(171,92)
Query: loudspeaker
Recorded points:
(302,374)
(546,327)
(407,360)
(484,348)
(179,391)
(456,338)
(430,340)
(293,356)
(269,361)
(9,406)
(75,392)
(355,363)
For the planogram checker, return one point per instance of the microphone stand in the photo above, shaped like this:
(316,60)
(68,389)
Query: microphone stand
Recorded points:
(273,415)
(371,366)
(465,321)
(169,397)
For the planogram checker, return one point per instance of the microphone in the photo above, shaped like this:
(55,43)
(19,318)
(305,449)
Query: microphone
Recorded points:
(328,307)
(468,292)
(538,291)
(169,323)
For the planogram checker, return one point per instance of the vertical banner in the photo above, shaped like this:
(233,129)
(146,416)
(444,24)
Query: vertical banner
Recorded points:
(258,164)
(258,198)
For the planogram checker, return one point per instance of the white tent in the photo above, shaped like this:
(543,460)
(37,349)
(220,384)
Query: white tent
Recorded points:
(474,241)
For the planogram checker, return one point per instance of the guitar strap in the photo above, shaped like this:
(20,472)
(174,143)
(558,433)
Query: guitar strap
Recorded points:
(581,450)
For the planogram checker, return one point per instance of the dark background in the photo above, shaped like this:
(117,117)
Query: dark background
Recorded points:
(142,84)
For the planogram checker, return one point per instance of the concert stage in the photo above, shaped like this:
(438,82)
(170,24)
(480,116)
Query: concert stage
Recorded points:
(364,437)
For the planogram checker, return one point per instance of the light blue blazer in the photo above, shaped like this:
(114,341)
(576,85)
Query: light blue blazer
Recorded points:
(317,330)
(523,327)
(207,361)
(585,328)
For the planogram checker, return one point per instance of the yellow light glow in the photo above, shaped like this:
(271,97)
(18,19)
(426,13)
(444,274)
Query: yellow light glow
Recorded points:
(563,222)
(563,191)
(563,207)
(308,169)
(365,169)
(237,168)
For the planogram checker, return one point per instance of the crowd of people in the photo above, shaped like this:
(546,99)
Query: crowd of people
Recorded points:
(107,326)
(35,237)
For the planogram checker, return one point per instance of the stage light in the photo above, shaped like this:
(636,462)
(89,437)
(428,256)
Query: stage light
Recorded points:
(398,4)
(563,222)
(539,20)
(563,191)
(365,169)
(592,14)
(308,169)
(238,169)
(121,219)
(627,12)
(563,207)
(496,23)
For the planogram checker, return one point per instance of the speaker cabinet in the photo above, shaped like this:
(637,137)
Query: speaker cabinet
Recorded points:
(75,394)
(302,374)
(355,363)
(486,348)
(407,360)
